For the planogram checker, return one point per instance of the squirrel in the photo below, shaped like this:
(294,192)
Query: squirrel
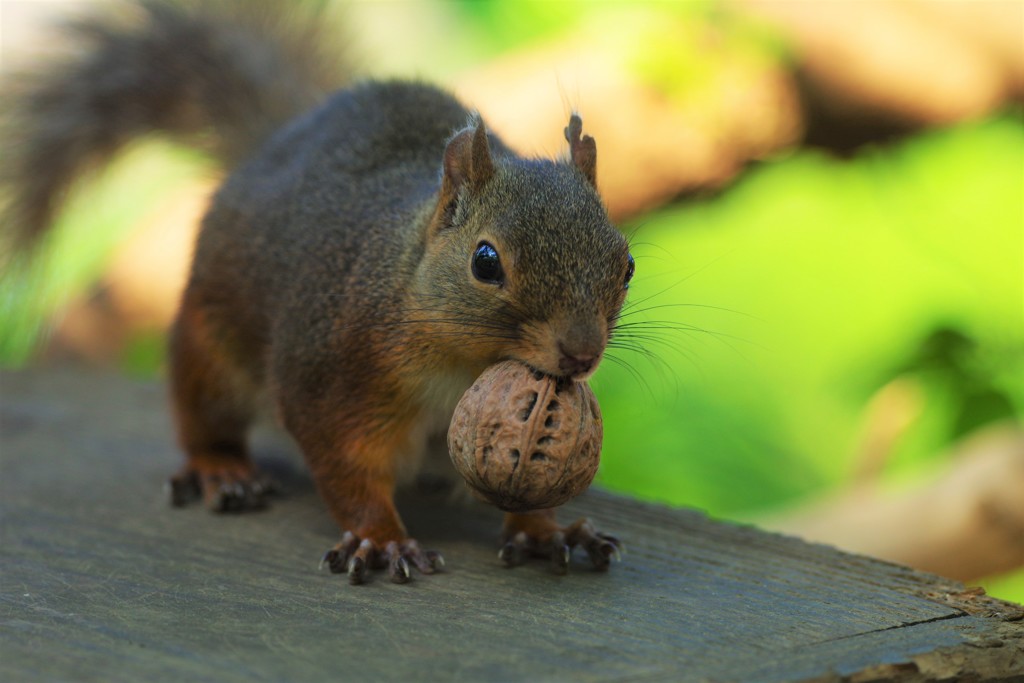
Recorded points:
(370,253)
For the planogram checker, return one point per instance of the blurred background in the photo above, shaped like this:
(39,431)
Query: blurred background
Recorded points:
(825,335)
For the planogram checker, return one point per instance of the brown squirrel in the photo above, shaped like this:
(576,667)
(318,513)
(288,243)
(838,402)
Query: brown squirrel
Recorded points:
(367,257)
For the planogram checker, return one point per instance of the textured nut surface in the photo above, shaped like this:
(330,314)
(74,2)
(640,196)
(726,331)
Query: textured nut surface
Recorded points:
(524,441)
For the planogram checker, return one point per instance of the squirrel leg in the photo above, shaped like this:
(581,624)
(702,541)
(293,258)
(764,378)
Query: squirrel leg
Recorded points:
(355,478)
(213,412)
(538,534)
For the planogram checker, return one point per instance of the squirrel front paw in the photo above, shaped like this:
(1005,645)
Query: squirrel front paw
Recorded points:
(537,534)
(356,557)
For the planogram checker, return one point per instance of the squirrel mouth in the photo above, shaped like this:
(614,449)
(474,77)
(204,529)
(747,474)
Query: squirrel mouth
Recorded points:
(579,373)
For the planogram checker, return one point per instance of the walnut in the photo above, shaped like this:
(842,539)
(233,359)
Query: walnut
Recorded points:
(523,440)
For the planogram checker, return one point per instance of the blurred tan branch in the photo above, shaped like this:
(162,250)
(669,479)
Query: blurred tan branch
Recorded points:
(869,68)
(965,522)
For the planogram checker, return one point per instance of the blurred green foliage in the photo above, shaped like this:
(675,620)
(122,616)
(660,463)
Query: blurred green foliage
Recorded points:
(776,310)
(73,255)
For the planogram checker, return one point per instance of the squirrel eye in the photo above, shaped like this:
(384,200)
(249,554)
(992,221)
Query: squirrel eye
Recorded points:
(487,265)
(630,269)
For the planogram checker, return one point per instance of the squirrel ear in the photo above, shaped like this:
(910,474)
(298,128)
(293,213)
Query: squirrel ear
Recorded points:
(582,150)
(467,159)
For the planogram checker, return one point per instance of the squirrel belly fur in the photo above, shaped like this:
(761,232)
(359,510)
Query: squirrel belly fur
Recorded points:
(370,253)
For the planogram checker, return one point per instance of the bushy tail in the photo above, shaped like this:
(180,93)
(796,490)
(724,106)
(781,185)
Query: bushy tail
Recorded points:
(220,75)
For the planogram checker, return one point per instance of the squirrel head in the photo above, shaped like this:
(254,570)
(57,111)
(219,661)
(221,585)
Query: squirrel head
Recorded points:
(521,257)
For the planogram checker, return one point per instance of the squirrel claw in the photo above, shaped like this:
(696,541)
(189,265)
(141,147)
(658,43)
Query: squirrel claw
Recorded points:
(515,551)
(426,561)
(601,548)
(398,566)
(357,564)
(337,558)
(356,557)
(560,553)
(183,488)
(356,570)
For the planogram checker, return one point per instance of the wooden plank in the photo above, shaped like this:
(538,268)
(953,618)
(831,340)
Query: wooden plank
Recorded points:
(102,580)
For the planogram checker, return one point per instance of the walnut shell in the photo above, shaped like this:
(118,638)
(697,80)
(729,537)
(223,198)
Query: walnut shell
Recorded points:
(523,440)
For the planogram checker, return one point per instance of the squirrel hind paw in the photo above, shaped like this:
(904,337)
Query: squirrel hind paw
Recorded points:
(221,489)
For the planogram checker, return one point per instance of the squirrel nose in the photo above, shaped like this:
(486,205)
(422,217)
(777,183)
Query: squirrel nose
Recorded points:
(575,364)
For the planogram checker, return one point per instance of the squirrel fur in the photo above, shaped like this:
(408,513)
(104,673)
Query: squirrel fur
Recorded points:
(370,253)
